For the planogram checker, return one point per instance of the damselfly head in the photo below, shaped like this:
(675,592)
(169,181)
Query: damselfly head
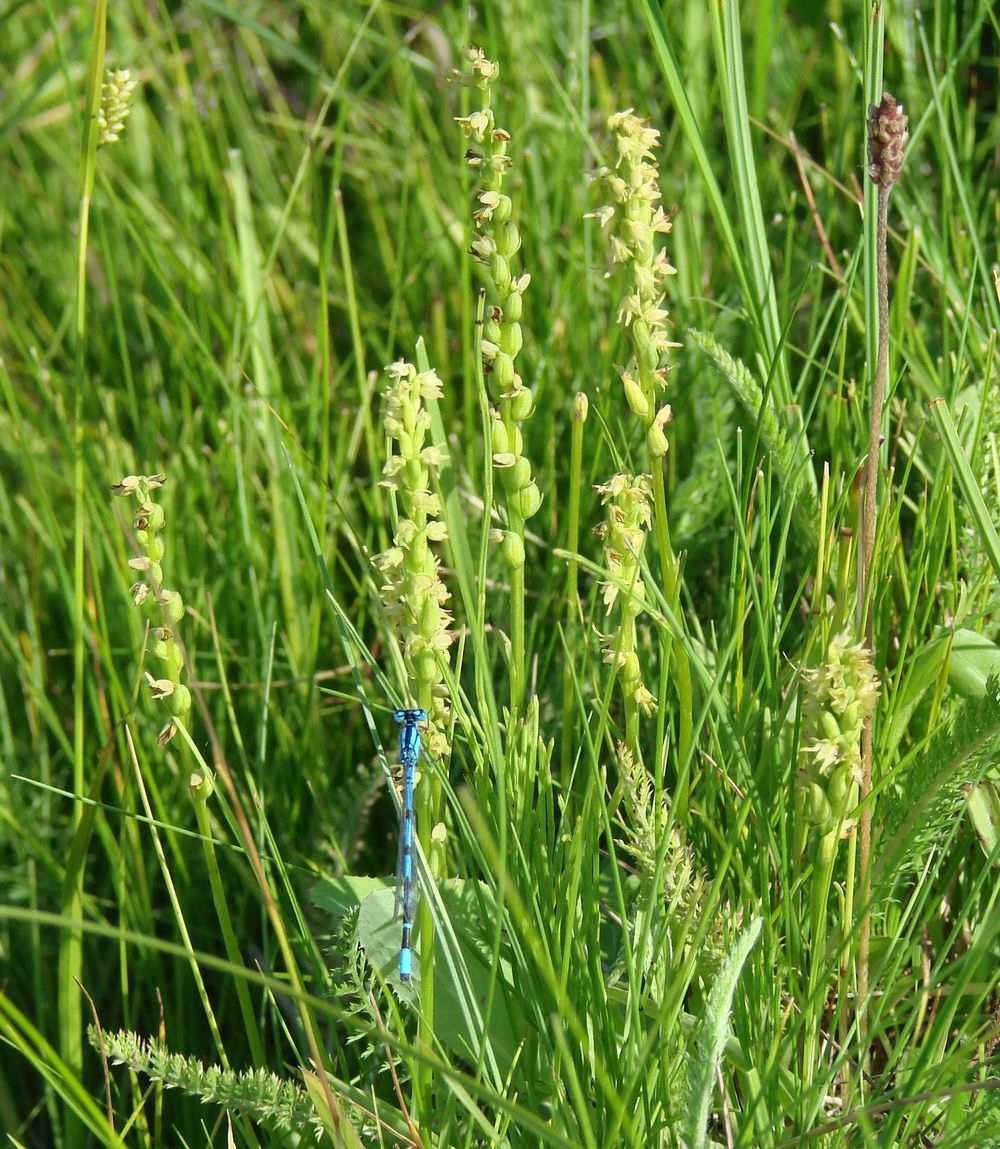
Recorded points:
(410,717)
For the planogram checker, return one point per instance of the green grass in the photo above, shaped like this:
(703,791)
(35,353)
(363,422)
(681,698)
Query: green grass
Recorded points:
(630,947)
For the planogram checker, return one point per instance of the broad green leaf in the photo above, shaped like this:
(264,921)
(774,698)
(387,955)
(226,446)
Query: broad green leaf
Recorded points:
(974,660)
(983,802)
(378,931)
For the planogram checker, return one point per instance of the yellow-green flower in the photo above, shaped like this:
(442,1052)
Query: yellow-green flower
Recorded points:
(840,694)
(413,593)
(624,531)
(147,523)
(633,220)
(116,104)
(495,245)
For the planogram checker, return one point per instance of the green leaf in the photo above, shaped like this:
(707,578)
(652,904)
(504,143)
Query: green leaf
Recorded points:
(983,803)
(711,1037)
(924,670)
(934,784)
(967,482)
(786,445)
(974,660)
(341,1132)
(467,905)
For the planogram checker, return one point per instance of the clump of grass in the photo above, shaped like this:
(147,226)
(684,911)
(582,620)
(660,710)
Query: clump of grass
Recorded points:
(583,967)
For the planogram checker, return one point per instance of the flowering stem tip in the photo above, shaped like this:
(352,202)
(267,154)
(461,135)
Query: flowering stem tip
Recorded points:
(149,590)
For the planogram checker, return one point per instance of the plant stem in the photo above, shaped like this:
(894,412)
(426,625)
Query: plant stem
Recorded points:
(866,604)
(670,569)
(71,939)
(572,593)
(518,678)
(888,131)
(201,787)
(175,903)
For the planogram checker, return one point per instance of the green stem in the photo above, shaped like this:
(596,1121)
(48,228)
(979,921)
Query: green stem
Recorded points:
(517,648)
(821,880)
(850,885)
(572,593)
(632,712)
(866,603)
(428,799)
(201,788)
(175,903)
(318,1055)
(669,567)
(71,940)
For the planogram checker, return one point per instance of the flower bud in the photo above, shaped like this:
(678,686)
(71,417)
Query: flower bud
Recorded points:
(527,501)
(581,405)
(430,615)
(634,396)
(522,404)
(508,241)
(518,476)
(513,550)
(171,604)
(180,701)
(148,517)
(511,339)
(161,647)
(503,371)
(500,273)
(656,442)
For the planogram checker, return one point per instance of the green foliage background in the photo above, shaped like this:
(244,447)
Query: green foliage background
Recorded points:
(289,211)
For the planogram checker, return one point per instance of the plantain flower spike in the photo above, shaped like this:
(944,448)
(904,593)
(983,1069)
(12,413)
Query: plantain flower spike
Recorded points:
(888,131)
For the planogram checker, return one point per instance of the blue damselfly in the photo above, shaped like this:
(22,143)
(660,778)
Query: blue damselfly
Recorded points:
(406,893)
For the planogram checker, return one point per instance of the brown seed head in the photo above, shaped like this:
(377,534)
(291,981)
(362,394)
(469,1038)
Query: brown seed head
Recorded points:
(888,131)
